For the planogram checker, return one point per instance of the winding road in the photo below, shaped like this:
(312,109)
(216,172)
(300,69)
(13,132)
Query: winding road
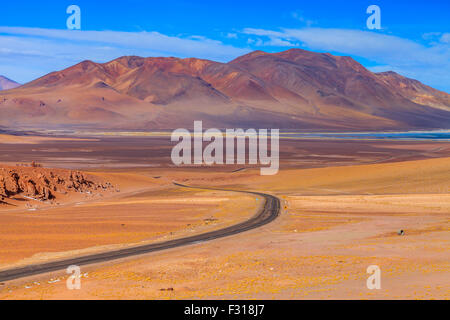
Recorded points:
(269,212)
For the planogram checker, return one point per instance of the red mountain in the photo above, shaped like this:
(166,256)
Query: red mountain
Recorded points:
(291,89)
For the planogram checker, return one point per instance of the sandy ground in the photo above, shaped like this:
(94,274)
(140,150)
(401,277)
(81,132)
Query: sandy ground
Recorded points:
(155,211)
(336,222)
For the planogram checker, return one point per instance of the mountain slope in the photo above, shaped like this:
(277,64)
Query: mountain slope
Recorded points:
(6,83)
(416,91)
(291,89)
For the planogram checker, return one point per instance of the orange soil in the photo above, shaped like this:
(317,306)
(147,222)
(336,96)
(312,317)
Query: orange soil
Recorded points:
(335,222)
(145,210)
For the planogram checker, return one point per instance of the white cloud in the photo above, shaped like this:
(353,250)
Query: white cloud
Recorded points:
(45,50)
(262,32)
(276,39)
(300,17)
(445,38)
(431,35)
(277,42)
(255,42)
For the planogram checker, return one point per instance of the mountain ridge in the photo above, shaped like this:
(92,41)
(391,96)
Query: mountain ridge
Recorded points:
(293,89)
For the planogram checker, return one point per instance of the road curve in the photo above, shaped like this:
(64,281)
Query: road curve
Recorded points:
(269,212)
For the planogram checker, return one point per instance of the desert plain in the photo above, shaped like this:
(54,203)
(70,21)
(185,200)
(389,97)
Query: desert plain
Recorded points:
(343,205)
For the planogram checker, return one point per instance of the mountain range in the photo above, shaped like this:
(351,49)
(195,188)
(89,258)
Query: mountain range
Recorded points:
(293,89)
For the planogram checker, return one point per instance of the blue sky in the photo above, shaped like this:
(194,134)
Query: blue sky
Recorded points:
(414,39)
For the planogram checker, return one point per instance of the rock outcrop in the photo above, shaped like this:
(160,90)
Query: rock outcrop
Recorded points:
(44,184)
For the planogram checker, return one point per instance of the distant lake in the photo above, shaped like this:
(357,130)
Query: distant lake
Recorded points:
(443,135)
(413,135)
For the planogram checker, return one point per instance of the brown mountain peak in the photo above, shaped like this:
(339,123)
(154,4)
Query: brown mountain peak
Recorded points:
(128,61)
(249,56)
(85,66)
(296,52)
